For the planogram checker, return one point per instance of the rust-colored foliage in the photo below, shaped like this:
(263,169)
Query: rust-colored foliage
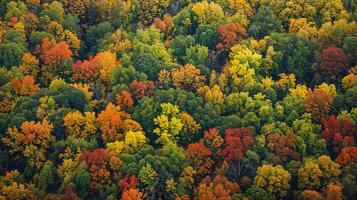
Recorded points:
(228,35)
(199,157)
(26,86)
(347,155)
(311,195)
(318,103)
(282,147)
(69,194)
(142,88)
(97,161)
(333,192)
(237,142)
(213,140)
(187,77)
(218,188)
(128,182)
(338,133)
(333,61)
(165,25)
(125,100)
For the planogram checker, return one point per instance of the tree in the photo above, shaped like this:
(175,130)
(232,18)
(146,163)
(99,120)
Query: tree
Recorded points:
(169,123)
(125,75)
(333,191)
(218,188)
(98,161)
(282,147)
(213,141)
(228,35)
(237,142)
(275,180)
(263,23)
(132,194)
(333,62)
(97,32)
(142,88)
(110,121)
(350,48)
(347,156)
(29,65)
(148,176)
(32,140)
(335,33)
(206,13)
(309,176)
(10,55)
(199,157)
(150,9)
(179,45)
(95,69)
(57,58)
(197,55)
(241,7)
(125,100)
(187,77)
(338,133)
(68,194)
(292,54)
(189,129)
(318,103)
(311,195)
(26,86)
(78,125)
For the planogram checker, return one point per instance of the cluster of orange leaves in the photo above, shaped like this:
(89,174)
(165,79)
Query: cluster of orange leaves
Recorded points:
(26,86)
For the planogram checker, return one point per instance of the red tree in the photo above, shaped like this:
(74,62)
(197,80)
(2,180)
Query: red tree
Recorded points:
(338,133)
(56,54)
(228,35)
(125,100)
(97,161)
(333,61)
(85,70)
(347,155)
(199,157)
(128,182)
(142,88)
(237,142)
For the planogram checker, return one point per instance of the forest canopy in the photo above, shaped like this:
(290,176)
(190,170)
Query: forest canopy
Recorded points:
(178,99)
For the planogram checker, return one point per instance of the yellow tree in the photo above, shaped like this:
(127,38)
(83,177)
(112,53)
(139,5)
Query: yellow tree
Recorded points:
(309,176)
(206,13)
(78,125)
(187,77)
(275,180)
(240,7)
(29,65)
(169,123)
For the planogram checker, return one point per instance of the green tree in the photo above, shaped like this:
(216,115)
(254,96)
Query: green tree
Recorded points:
(11,55)
(263,23)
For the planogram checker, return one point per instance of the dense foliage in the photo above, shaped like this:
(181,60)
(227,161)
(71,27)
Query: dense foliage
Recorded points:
(178,99)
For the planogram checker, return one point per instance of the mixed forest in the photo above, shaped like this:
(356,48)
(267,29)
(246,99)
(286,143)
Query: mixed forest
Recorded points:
(178,99)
